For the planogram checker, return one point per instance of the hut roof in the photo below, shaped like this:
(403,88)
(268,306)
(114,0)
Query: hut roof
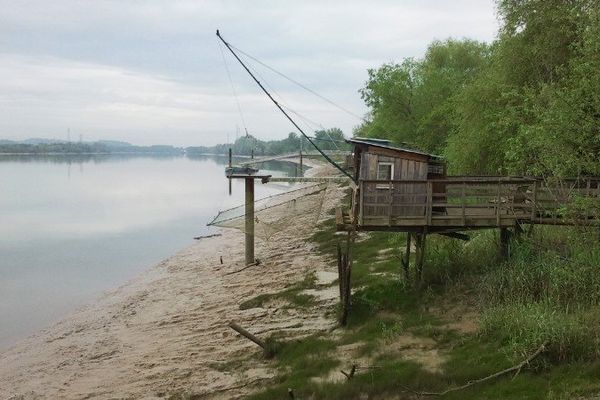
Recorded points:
(387,144)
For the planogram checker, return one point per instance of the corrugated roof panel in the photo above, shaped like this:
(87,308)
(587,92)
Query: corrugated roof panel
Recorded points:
(387,144)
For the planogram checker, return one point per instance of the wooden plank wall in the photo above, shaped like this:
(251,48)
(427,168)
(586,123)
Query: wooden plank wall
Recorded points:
(404,169)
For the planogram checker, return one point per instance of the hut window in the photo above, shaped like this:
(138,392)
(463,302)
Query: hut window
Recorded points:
(385,172)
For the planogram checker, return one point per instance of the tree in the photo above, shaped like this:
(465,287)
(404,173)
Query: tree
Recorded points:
(330,139)
(513,118)
(411,102)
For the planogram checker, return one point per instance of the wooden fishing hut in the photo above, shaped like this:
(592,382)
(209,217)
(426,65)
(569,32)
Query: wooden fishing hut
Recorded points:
(406,190)
(392,182)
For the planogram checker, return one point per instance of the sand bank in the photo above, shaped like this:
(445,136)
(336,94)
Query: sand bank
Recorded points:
(166,332)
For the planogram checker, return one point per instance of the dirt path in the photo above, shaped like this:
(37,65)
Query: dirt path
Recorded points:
(165,332)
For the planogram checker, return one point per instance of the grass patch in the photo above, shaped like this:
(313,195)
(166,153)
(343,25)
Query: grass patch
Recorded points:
(292,295)
(524,327)
(298,361)
(542,274)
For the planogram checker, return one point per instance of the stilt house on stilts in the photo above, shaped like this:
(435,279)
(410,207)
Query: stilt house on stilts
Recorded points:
(405,190)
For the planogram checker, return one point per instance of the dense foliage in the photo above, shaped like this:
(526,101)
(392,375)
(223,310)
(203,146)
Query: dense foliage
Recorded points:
(526,104)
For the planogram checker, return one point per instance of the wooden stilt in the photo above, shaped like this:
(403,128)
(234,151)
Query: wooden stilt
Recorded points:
(406,258)
(504,238)
(249,223)
(529,232)
(345,278)
(518,229)
(348,284)
(340,272)
(420,256)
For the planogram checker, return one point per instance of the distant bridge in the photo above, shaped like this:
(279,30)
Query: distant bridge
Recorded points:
(292,155)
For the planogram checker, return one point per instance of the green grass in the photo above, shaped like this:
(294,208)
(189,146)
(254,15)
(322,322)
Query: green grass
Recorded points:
(524,327)
(549,291)
(297,362)
(292,295)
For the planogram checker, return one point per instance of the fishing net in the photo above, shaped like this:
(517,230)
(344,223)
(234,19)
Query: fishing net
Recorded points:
(274,213)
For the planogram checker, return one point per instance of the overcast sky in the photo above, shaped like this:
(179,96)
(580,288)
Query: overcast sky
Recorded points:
(151,72)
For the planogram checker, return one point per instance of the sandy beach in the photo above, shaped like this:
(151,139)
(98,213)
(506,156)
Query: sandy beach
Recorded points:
(165,332)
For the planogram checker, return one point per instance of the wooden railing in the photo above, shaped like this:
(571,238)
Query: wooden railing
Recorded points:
(466,201)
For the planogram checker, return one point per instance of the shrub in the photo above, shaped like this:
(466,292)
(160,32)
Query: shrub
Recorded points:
(545,277)
(525,327)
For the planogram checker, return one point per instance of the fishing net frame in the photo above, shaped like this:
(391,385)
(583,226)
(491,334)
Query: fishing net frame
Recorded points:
(272,213)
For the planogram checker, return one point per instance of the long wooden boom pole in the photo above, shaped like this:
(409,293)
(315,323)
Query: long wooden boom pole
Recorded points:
(281,108)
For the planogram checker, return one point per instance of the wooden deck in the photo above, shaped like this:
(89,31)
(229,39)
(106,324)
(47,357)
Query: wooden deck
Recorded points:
(463,203)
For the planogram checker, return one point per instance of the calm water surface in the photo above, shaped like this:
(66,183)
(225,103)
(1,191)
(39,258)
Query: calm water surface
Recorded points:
(71,227)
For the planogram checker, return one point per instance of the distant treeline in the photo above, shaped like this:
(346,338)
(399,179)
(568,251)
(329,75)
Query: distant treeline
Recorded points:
(101,147)
(44,148)
(527,103)
(329,139)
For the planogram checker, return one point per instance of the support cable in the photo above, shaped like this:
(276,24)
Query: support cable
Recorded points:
(300,84)
(309,123)
(283,111)
(237,100)
(306,122)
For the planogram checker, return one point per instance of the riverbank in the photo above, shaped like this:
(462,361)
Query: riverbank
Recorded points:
(166,332)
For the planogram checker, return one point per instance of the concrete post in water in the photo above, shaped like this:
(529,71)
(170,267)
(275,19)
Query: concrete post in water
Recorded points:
(249,220)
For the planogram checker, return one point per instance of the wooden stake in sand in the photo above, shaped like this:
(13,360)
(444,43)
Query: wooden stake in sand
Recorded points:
(249,221)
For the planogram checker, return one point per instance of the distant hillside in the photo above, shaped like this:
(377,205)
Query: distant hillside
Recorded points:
(115,143)
(40,141)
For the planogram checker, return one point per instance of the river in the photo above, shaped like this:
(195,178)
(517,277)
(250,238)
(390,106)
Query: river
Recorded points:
(74,226)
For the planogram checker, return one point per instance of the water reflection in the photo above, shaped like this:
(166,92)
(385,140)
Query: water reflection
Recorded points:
(82,158)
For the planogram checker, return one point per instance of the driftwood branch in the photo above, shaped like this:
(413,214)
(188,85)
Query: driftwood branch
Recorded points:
(247,335)
(257,262)
(230,388)
(349,375)
(515,368)
(207,236)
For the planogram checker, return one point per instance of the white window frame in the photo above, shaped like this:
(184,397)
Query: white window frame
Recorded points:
(385,185)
